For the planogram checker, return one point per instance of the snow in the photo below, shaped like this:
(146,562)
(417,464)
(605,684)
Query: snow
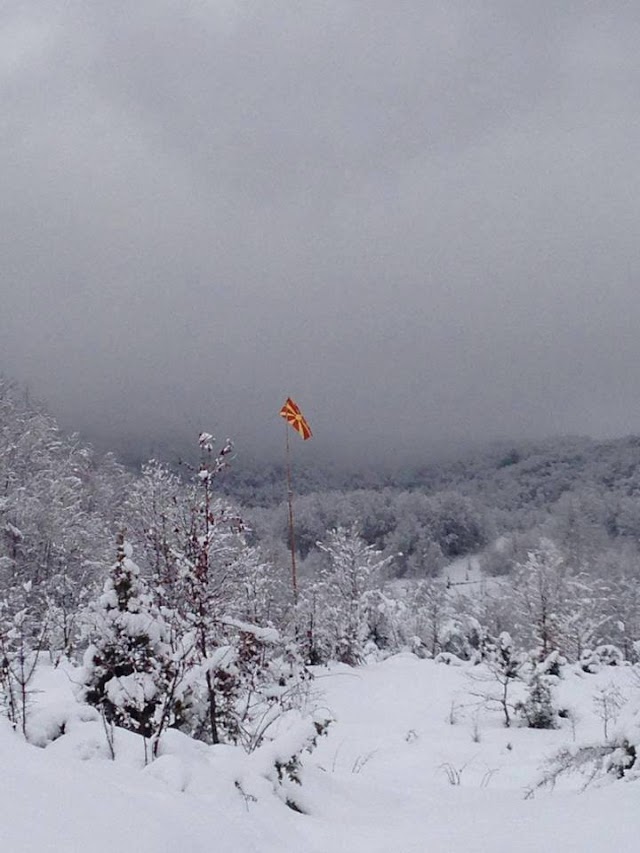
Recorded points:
(412,762)
(463,570)
(465,575)
(264,635)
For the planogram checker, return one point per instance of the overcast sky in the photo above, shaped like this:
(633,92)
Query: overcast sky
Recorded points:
(420,219)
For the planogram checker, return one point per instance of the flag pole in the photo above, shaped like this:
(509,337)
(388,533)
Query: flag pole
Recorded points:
(292,539)
(294,418)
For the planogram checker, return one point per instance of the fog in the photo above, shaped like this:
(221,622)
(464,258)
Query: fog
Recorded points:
(419,219)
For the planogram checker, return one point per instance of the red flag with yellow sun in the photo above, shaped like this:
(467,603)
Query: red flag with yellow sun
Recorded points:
(293,416)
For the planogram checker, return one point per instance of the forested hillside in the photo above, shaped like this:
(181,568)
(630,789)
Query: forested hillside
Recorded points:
(583,494)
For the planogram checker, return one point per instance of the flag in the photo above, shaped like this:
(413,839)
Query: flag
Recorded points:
(292,415)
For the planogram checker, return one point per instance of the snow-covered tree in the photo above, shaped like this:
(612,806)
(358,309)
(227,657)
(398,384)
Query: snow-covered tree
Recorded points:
(537,709)
(540,598)
(223,599)
(432,611)
(504,666)
(22,639)
(130,673)
(157,517)
(353,570)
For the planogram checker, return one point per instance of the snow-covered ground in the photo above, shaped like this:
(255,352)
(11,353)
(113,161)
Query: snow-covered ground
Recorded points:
(464,570)
(465,576)
(413,762)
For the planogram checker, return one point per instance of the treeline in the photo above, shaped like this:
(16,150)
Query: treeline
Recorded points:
(422,532)
(585,495)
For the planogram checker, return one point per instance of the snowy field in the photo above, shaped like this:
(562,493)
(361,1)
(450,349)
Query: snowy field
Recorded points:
(413,762)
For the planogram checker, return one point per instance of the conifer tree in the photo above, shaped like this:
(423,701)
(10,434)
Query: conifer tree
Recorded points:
(537,709)
(129,673)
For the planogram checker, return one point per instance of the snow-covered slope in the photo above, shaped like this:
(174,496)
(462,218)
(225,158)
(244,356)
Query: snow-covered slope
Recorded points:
(412,763)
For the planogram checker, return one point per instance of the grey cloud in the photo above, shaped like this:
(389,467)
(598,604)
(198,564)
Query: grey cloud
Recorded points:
(416,217)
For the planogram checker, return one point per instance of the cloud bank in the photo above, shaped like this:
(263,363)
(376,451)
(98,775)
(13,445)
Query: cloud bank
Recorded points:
(418,219)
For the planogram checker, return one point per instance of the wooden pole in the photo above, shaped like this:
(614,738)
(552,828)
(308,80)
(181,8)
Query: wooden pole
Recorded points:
(292,539)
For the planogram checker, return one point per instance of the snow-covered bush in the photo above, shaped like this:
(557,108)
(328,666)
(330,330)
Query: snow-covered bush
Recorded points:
(281,760)
(538,710)
(552,664)
(449,659)
(609,655)
(605,655)
(504,666)
(617,758)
